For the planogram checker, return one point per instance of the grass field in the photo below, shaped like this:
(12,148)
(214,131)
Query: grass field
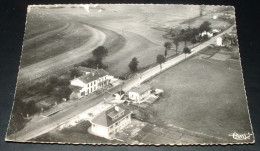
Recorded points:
(205,96)
(49,33)
(75,134)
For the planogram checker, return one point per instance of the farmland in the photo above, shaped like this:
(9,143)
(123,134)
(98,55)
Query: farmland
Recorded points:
(203,95)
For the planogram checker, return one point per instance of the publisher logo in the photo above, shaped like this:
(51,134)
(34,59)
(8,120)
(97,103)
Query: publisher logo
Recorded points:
(240,136)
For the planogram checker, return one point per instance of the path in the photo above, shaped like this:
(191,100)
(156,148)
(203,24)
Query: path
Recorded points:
(60,62)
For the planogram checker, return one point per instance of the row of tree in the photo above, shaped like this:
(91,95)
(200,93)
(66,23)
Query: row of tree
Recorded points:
(187,35)
(133,65)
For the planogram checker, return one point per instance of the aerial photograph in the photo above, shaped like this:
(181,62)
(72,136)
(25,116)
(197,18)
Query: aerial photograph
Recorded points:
(130,74)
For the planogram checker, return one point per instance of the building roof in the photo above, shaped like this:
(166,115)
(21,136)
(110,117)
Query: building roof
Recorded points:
(85,69)
(105,118)
(98,73)
(75,88)
(141,89)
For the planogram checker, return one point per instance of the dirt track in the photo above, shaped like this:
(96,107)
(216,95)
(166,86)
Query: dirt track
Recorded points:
(65,60)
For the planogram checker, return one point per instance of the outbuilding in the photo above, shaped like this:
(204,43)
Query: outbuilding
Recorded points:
(139,93)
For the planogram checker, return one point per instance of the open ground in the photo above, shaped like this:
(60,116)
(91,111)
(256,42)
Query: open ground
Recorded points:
(203,95)
(129,33)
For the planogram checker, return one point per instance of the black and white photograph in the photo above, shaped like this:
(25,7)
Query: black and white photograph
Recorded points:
(130,74)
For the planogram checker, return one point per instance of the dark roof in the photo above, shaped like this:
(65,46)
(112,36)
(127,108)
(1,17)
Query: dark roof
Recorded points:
(98,73)
(75,88)
(141,89)
(85,69)
(105,119)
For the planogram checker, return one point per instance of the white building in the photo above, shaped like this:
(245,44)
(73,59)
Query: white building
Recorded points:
(89,82)
(219,41)
(139,93)
(110,122)
(209,34)
(215,17)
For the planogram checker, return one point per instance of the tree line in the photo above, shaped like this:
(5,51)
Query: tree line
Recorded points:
(178,36)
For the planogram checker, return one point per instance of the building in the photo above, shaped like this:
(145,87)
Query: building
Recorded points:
(219,41)
(89,82)
(215,17)
(209,34)
(109,122)
(84,70)
(139,93)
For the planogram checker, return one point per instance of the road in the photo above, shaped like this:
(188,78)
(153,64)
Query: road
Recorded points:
(157,69)
(63,60)
(33,130)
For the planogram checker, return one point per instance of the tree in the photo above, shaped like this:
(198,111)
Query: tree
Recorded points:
(193,41)
(167,46)
(30,108)
(160,59)
(100,52)
(63,92)
(47,89)
(205,26)
(53,79)
(186,50)
(176,41)
(64,82)
(75,73)
(188,34)
(133,64)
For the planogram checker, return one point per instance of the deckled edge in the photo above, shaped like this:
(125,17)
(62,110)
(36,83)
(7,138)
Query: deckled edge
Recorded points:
(140,144)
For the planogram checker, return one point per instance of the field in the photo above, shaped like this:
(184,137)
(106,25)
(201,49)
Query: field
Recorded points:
(205,96)
(53,34)
(75,134)
(49,34)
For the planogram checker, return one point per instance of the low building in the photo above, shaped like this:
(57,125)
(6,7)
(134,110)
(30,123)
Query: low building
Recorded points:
(219,41)
(139,93)
(109,122)
(209,34)
(89,82)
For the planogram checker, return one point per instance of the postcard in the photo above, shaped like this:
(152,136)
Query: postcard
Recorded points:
(130,74)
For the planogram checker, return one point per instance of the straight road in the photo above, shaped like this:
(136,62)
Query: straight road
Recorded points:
(157,69)
(33,130)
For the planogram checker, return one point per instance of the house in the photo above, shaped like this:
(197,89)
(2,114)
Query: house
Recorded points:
(209,34)
(89,83)
(109,122)
(139,93)
(219,41)
(229,40)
